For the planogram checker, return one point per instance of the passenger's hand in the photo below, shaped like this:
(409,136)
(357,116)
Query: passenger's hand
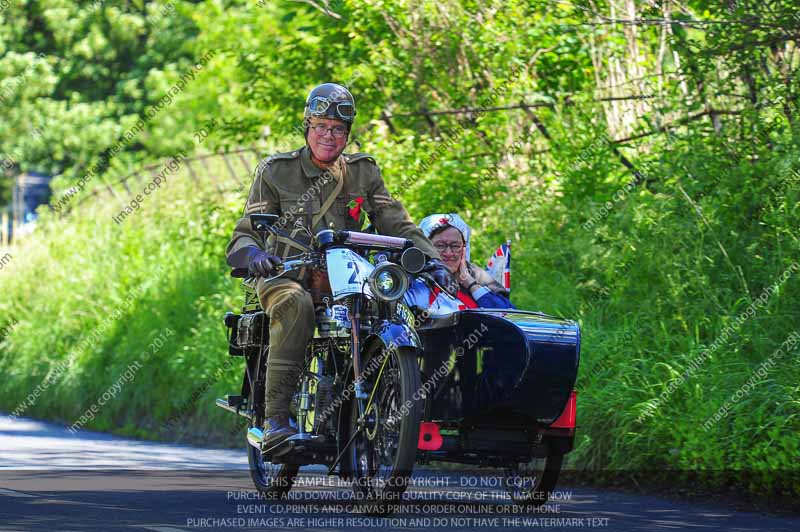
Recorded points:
(465,279)
(263,264)
(441,274)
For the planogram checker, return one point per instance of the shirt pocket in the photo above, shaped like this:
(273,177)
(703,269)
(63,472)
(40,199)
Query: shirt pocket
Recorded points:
(297,208)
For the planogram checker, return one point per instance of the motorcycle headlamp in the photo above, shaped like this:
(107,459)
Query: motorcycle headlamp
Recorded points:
(385,282)
(388,282)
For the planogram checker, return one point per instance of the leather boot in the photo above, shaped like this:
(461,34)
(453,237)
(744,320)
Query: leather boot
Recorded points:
(276,430)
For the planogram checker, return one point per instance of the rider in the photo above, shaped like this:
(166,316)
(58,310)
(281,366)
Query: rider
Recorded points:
(312,188)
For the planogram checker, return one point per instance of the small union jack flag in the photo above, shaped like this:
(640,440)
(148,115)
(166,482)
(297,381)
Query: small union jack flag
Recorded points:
(499,266)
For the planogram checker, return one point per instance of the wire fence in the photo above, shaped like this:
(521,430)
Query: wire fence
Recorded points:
(221,168)
(238,165)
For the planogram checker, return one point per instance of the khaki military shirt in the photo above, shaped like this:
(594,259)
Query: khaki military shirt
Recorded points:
(291,186)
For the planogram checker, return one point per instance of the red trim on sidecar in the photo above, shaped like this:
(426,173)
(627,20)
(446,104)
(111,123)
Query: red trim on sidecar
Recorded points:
(567,418)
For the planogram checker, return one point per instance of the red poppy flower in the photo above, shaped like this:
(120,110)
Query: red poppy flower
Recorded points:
(355,208)
(356,212)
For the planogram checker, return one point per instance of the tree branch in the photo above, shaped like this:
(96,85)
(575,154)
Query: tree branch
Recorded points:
(469,110)
(665,127)
(668,22)
(325,9)
(538,123)
(522,105)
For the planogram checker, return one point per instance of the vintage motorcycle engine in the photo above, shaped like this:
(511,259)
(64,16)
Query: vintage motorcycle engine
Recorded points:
(334,322)
(311,401)
(322,399)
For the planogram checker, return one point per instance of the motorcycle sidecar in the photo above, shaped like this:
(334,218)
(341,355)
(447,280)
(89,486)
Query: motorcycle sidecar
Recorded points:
(498,386)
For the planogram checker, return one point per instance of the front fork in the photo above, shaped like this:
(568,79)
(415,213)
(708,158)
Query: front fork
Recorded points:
(313,372)
(355,333)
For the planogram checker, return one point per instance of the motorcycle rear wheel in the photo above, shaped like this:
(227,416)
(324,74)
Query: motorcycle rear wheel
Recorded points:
(382,455)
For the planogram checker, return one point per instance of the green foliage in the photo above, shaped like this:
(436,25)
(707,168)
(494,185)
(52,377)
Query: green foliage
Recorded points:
(167,257)
(76,76)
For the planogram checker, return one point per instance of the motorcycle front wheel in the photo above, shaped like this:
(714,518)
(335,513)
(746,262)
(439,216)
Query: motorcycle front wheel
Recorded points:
(384,448)
(272,480)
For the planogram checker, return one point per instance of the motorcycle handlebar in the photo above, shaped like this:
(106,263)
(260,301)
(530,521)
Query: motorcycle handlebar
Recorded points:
(367,239)
(329,236)
(265,223)
(294,264)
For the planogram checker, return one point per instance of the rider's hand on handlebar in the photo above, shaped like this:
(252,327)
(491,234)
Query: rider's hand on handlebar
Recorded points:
(263,264)
(441,274)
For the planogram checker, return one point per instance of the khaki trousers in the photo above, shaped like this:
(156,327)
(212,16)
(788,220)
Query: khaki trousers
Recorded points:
(291,326)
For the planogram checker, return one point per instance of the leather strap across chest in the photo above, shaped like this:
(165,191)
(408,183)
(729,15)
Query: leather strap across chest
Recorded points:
(328,202)
(288,244)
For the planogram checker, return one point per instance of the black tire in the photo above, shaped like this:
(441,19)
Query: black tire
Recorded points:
(273,480)
(530,484)
(382,455)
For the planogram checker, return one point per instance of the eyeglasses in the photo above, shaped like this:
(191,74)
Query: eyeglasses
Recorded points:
(337,131)
(319,104)
(455,247)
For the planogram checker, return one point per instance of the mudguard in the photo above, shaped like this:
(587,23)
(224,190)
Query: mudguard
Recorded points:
(392,333)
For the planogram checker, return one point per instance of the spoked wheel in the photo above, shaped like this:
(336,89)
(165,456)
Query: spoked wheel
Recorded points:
(274,480)
(531,483)
(384,448)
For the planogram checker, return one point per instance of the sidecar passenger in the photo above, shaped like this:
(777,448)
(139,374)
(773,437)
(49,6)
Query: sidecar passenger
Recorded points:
(449,234)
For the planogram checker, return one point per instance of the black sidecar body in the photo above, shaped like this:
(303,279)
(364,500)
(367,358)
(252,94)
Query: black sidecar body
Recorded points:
(499,386)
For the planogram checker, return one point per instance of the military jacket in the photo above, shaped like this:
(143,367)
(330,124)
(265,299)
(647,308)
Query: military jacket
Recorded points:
(292,186)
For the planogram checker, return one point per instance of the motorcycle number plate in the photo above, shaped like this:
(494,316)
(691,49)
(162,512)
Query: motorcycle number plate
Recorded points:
(347,273)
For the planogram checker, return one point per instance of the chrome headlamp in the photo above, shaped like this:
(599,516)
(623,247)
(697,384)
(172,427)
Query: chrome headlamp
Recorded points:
(388,282)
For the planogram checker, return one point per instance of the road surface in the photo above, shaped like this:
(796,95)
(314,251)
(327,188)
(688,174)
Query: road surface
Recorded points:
(56,481)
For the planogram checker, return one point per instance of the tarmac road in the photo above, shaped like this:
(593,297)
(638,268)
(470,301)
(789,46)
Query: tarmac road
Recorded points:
(56,481)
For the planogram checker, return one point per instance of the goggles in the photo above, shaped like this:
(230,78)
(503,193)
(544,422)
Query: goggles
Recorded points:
(319,106)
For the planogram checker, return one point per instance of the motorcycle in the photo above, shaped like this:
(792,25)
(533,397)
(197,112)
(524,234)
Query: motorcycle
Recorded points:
(396,374)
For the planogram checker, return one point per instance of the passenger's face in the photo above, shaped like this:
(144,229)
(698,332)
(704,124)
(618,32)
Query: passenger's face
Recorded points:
(451,238)
(327,146)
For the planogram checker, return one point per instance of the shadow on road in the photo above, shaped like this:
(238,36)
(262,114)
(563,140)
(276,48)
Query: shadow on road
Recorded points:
(173,501)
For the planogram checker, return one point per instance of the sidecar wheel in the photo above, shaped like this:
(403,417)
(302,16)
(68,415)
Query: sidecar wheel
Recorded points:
(382,455)
(531,483)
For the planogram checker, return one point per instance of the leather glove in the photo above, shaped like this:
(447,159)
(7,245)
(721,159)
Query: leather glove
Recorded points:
(441,274)
(262,264)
